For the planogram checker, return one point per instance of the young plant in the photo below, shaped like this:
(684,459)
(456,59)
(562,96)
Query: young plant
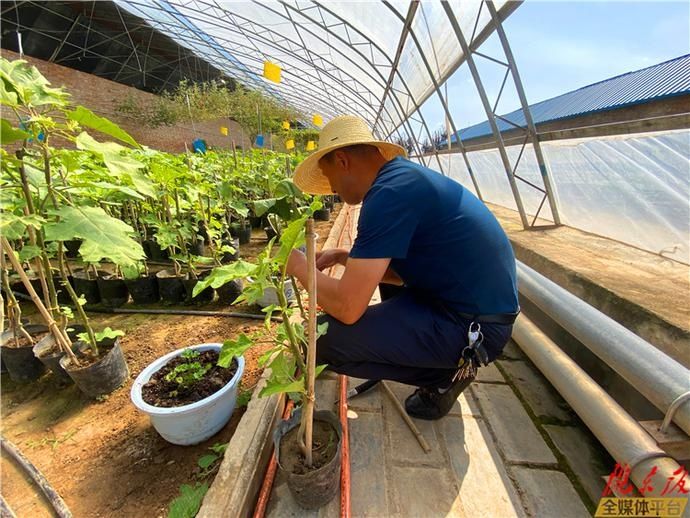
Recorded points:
(188,372)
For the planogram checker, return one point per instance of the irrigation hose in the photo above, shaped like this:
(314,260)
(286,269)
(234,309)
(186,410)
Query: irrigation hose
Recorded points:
(5,510)
(53,497)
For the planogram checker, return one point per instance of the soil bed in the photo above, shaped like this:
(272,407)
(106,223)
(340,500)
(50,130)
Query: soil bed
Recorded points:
(324,448)
(158,391)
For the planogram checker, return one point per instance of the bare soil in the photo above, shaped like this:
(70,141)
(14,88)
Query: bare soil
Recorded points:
(324,448)
(103,457)
(158,391)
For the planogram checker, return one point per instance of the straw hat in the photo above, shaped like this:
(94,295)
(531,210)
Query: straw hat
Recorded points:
(346,130)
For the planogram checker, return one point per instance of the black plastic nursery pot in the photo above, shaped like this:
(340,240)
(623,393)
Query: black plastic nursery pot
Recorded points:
(243,233)
(85,285)
(205,296)
(229,291)
(227,256)
(18,286)
(104,375)
(20,362)
(72,248)
(50,354)
(170,287)
(154,252)
(143,290)
(317,487)
(113,291)
(256,221)
(270,233)
(322,214)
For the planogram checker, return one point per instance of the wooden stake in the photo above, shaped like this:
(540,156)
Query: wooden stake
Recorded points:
(406,418)
(308,415)
(63,340)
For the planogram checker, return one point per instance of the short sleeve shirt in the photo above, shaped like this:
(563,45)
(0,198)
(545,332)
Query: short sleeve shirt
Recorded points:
(443,242)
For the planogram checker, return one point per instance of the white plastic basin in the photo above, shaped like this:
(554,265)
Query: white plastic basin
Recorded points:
(196,422)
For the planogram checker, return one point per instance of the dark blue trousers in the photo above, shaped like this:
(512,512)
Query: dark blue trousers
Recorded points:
(405,339)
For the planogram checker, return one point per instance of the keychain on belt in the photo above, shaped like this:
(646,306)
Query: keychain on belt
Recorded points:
(473,355)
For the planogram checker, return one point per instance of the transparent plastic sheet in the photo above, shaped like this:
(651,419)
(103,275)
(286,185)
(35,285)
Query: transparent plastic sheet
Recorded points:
(631,188)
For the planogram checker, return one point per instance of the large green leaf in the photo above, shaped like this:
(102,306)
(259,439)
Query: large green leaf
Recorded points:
(188,503)
(224,274)
(104,237)
(9,134)
(233,348)
(261,207)
(14,227)
(292,237)
(86,117)
(275,387)
(28,85)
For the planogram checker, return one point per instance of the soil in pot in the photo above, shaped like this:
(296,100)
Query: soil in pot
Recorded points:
(315,486)
(87,285)
(98,375)
(170,287)
(113,291)
(143,290)
(49,353)
(18,356)
(205,296)
(162,393)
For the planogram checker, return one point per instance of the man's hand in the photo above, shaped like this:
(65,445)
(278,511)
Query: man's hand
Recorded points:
(329,258)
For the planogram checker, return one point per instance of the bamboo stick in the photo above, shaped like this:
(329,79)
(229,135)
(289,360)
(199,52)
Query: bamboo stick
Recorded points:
(311,341)
(62,339)
(418,435)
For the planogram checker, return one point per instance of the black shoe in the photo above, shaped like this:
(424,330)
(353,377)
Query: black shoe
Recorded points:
(431,403)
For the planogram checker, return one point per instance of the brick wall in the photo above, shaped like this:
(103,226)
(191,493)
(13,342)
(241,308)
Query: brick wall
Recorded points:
(102,96)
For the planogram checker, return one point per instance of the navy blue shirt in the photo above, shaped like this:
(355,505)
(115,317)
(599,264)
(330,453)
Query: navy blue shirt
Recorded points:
(443,242)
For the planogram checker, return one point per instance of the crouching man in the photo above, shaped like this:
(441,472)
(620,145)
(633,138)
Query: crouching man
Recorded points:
(445,267)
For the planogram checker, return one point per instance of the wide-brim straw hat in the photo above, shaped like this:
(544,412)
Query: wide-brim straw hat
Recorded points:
(345,130)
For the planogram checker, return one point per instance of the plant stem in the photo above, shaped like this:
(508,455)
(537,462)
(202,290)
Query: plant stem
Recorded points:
(298,296)
(292,339)
(75,300)
(14,312)
(310,399)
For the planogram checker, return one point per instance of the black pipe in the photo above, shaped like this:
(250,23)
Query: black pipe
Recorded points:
(53,497)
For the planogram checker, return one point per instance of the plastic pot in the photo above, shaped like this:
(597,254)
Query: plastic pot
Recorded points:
(270,233)
(154,252)
(227,256)
(197,247)
(18,286)
(206,295)
(270,295)
(322,214)
(83,285)
(143,290)
(113,291)
(196,422)
(72,248)
(243,233)
(315,488)
(20,362)
(101,377)
(229,291)
(256,221)
(170,287)
(50,356)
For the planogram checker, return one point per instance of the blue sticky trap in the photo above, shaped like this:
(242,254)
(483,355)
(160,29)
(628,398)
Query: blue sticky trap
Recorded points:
(259,141)
(199,146)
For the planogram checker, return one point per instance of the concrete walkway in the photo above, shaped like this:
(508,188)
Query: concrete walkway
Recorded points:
(510,447)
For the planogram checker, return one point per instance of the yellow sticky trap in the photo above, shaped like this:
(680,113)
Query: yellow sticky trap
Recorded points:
(317,120)
(224,131)
(289,144)
(286,125)
(272,71)
(311,146)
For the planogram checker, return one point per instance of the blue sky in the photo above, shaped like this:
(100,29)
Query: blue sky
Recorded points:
(560,46)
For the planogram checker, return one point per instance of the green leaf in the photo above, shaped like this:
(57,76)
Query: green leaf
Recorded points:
(275,387)
(104,236)
(261,207)
(28,252)
(319,369)
(24,85)
(223,274)
(10,134)
(188,503)
(292,237)
(321,330)
(14,227)
(232,349)
(86,117)
(108,333)
(206,460)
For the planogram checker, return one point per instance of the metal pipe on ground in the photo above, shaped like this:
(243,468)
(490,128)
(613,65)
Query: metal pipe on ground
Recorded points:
(655,375)
(620,434)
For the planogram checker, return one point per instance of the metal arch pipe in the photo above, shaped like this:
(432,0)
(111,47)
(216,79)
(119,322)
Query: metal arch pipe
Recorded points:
(626,353)
(620,434)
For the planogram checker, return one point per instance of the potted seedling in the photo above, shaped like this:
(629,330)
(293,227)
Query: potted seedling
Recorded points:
(142,286)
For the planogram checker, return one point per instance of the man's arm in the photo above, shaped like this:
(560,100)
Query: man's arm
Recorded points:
(346,298)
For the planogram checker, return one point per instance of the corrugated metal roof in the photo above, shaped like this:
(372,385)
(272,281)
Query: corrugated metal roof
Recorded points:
(666,79)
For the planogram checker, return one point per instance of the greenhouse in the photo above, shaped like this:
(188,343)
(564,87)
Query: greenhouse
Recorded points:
(298,258)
